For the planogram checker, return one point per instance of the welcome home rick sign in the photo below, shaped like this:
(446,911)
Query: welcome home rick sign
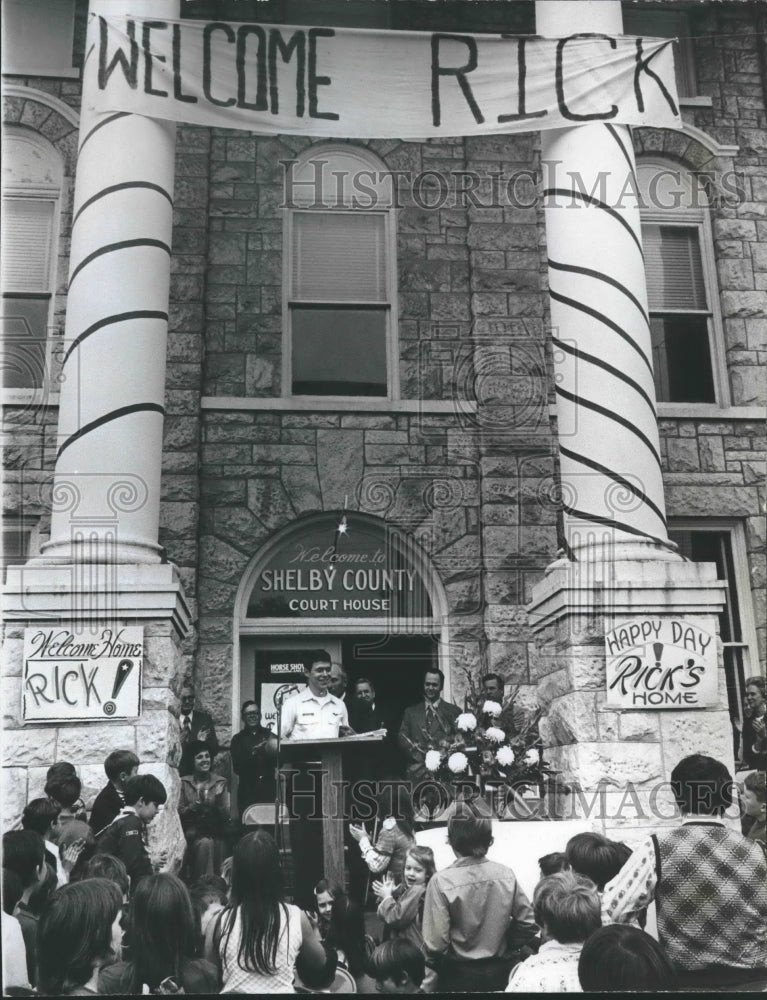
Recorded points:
(77,675)
(661,663)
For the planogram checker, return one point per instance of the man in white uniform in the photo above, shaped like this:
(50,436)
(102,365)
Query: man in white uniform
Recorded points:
(314,713)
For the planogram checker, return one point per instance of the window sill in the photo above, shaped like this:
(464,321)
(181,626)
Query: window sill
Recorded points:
(703,101)
(68,73)
(326,405)
(709,411)
(27,397)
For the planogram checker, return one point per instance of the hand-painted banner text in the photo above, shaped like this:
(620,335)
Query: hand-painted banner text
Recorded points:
(343,82)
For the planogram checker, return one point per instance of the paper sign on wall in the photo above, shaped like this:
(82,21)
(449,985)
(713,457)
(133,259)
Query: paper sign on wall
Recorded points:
(76,675)
(661,663)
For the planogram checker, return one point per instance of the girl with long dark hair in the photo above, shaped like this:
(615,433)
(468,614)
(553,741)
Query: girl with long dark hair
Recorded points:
(164,942)
(259,936)
(79,931)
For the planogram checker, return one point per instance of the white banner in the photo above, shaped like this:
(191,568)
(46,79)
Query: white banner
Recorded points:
(342,82)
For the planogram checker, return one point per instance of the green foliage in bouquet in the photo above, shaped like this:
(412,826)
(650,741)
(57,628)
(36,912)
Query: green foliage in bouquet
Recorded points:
(497,741)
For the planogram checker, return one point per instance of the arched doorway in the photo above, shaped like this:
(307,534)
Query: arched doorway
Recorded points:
(348,583)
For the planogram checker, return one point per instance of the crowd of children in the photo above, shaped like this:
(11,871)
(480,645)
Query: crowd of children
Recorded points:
(85,910)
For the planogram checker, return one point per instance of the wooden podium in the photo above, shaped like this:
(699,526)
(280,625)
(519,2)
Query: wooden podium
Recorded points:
(330,753)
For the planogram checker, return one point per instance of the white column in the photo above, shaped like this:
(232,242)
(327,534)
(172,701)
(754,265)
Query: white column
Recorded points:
(611,486)
(106,493)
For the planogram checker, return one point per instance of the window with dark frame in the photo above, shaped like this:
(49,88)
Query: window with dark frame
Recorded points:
(653,23)
(28,238)
(679,314)
(340,316)
(17,538)
(682,293)
(339,303)
(716,546)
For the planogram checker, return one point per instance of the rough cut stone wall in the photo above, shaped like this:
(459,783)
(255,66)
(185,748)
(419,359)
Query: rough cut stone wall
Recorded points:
(471,486)
(507,267)
(731,72)
(29,427)
(472,326)
(28,751)
(613,766)
(180,486)
(261,470)
(715,469)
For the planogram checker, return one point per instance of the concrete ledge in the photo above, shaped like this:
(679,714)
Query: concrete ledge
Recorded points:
(626,589)
(85,592)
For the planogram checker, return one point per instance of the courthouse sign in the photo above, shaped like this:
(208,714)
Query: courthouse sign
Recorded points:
(75,675)
(355,569)
(338,82)
(661,663)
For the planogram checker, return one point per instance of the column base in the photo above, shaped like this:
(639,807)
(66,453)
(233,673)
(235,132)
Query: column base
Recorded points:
(41,594)
(82,597)
(98,550)
(614,763)
(617,547)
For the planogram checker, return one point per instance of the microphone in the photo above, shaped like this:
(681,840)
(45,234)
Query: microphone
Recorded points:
(282,692)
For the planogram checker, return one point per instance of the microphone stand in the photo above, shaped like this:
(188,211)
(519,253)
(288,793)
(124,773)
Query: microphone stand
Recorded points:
(279,697)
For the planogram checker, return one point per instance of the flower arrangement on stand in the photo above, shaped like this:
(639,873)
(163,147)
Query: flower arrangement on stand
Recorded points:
(495,745)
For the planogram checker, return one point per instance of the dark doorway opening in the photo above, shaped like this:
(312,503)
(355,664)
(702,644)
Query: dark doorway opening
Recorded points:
(394,663)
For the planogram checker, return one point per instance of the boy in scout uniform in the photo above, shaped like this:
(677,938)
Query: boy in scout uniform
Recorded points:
(125,837)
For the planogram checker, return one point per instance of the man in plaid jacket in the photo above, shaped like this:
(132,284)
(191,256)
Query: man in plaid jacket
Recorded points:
(708,882)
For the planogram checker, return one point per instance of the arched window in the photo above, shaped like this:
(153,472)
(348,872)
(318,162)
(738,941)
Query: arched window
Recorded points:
(32,179)
(685,323)
(339,308)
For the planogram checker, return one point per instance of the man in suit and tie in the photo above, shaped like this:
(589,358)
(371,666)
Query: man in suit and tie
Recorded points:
(338,683)
(195,725)
(365,715)
(426,723)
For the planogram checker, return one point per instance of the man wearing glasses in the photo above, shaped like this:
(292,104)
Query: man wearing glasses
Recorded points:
(254,752)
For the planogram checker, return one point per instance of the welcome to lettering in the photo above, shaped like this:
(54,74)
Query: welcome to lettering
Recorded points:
(342,83)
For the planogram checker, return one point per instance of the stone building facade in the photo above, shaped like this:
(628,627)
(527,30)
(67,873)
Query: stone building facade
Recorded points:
(464,460)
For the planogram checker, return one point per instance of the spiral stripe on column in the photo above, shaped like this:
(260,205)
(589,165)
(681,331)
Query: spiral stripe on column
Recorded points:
(111,405)
(592,360)
(607,425)
(610,415)
(126,186)
(101,124)
(611,522)
(587,199)
(113,247)
(614,133)
(107,418)
(616,478)
(596,314)
(110,321)
(589,272)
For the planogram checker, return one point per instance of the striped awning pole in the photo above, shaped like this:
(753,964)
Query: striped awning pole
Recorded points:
(611,490)
(106,492)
